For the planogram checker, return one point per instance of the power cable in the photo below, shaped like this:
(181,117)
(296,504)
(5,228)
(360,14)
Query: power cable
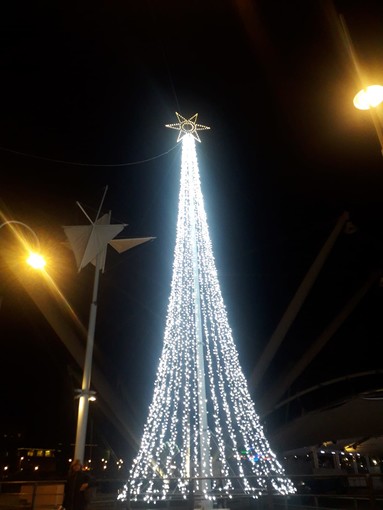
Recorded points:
(76,163)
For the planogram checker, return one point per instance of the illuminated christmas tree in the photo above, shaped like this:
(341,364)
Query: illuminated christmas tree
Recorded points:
(202,438)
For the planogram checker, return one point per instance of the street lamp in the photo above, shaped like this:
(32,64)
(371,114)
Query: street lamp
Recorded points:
(34,259)
(370,97)
(89,244)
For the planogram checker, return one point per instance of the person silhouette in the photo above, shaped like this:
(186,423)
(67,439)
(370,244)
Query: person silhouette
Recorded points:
(77,483)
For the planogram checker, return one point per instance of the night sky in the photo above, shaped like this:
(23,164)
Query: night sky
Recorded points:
(86,90)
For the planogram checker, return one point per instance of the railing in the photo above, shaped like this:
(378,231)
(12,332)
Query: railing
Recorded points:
(48,495)
(346,492)
(31,495)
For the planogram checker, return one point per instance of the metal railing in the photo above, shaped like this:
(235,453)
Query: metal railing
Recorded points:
(346,492)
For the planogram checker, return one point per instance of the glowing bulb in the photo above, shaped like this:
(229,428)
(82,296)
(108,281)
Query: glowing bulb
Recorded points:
(36,260)
(370,97)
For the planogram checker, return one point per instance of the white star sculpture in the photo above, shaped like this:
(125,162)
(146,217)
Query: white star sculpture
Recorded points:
(187,126)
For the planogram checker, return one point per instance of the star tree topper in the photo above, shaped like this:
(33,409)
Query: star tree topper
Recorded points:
(187,126)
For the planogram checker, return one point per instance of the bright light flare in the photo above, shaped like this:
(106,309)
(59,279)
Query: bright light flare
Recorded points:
(36,260)
(370,97)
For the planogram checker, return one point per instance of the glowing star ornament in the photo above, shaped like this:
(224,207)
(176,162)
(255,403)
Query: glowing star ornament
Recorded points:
(187,127)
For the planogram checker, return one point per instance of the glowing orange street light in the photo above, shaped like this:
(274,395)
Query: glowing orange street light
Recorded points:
(34,258)
(370,97)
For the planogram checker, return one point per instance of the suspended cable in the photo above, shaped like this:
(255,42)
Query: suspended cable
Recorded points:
(76,163)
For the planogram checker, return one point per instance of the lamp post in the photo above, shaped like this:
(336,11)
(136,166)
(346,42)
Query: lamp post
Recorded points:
(89,244)
(86,394)
(35,259)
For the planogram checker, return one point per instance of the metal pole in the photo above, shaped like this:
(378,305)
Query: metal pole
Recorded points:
(295,305)
(203,425)
(83,403)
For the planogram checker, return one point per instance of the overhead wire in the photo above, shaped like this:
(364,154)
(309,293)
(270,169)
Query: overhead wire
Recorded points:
(110,165)
(77,163)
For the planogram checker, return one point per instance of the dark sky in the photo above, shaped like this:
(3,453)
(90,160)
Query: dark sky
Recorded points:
(86,89)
